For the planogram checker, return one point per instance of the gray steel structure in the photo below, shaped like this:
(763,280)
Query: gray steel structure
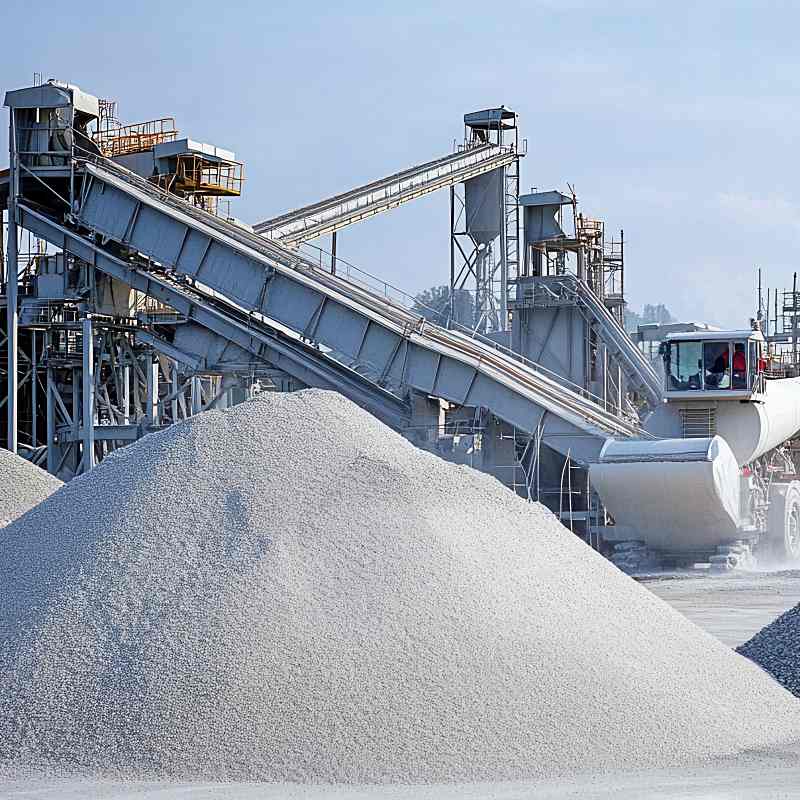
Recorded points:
(152,308)
(483,211)
(562,317)
(486,165)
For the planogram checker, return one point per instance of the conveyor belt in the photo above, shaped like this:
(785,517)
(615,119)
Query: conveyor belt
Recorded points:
(365,201)
(633,361)
(383,342)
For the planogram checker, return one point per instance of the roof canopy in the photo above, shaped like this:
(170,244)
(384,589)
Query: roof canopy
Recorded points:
(493,118)
(544,199)
(53,94)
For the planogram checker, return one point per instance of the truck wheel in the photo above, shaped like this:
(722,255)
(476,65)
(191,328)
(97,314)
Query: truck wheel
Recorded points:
(784,521)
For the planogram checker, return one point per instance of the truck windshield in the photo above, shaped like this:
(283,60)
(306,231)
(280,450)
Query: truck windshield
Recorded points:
(710,365)
(685,365)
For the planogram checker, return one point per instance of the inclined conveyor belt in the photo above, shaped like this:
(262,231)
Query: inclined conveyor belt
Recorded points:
(341,322)
(327,216)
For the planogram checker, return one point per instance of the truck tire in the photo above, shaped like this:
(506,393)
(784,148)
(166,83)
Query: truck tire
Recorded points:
(783,522)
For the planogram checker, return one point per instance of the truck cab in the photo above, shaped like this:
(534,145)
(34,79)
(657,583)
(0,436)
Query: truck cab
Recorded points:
(723,365)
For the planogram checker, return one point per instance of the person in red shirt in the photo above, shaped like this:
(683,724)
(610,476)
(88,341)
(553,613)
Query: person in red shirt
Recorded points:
(739,367)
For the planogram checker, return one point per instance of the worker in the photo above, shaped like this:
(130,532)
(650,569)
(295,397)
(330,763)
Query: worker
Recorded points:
(739,366)
(716,370)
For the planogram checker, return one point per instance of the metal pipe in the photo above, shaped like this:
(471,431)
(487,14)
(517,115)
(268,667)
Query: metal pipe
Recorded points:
(126,395)
(152,393)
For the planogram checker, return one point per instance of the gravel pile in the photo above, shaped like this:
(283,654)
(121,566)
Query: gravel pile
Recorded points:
(22,486)
(289,591)
(776,648)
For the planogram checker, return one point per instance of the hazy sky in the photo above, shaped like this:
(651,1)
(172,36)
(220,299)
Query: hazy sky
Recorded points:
(675,121)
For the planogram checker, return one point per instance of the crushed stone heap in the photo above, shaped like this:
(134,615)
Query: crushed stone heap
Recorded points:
(22,486)
(289,591)
(776,649)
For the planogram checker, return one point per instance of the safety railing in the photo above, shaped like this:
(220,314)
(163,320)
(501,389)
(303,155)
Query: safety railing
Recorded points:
(136,138)
(397,296)
(382,289)
(197,175)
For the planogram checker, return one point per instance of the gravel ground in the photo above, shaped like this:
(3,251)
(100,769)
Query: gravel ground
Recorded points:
(288,591)
(732,607)
(22,486)
(762,776)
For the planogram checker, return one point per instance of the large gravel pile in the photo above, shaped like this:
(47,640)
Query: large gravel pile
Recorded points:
(776,648)
(290,591)
(22,486)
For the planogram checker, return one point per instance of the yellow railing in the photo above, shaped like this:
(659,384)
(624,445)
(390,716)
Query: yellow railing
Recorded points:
(136,138)
(197,175)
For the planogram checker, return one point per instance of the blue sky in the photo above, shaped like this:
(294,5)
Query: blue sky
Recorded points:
(675,121)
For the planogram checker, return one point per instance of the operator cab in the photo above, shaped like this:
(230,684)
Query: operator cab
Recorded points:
(715,364)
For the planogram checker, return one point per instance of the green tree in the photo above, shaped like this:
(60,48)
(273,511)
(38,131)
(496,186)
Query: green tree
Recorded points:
(434,305)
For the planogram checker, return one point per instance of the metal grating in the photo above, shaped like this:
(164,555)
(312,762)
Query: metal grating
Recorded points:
(699,423)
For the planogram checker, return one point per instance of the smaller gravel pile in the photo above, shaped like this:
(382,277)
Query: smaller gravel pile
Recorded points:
(776,649)
(22,486)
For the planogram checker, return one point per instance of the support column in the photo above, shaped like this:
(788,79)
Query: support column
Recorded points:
(88,394)
(126,395)
(52,461)
(197,395)
(34,390)
(152,393)
(175,387)
(503,321)
(12,311)
(74,463)
(452,299)
(333,253)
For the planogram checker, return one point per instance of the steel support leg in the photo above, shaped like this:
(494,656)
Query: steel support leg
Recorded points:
(52,457)
(13,325)
(88,395)
(126,395)
(72,460)
(197,395)
(152,393)
(175,387)
(34,391)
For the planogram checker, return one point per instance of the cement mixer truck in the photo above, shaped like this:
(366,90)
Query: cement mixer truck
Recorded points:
(718,481)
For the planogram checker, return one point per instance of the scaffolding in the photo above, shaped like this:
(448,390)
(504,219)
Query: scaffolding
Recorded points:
(614,277)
